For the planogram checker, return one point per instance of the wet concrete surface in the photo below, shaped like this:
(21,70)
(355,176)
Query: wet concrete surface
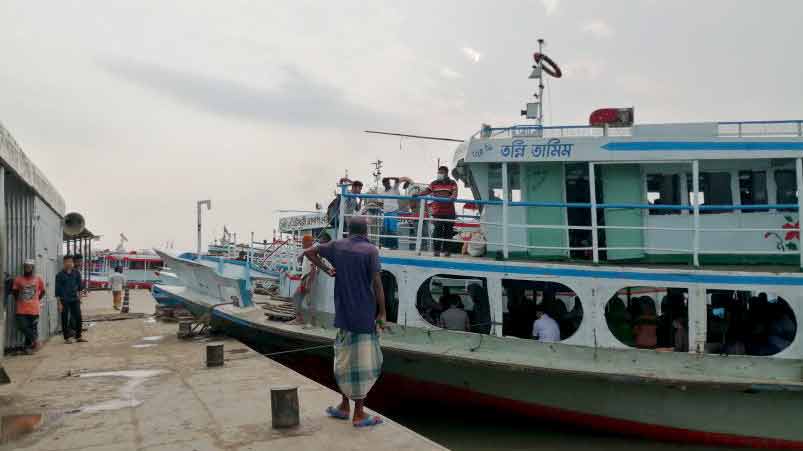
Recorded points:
(135,386)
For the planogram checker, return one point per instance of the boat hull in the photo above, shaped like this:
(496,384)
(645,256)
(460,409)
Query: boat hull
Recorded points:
(700,413)
(164,298)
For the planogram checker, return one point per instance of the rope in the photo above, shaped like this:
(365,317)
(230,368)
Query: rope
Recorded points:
(289,351)
(429,332)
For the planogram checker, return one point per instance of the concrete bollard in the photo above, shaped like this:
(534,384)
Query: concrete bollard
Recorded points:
(284,407)
(184,329)
(214,355)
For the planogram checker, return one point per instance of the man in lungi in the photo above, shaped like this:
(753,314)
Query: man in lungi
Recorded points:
(359,317)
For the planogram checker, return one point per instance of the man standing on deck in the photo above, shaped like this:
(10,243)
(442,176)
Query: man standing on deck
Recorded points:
(68,292)
(443,212)
(28,290)
(359,317)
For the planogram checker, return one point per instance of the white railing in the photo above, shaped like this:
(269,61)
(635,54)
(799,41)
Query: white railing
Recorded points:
(422,218)
(761,128)
(735,129)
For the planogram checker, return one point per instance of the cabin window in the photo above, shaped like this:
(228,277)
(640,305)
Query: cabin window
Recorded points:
(650,318)
(753,189)
(748,323)
(495,182)
(527,301)
(663,189)
(715,189)
(786,187)
(391,291)
(456,303)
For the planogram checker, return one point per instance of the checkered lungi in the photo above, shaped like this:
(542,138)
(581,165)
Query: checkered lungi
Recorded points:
(358,363)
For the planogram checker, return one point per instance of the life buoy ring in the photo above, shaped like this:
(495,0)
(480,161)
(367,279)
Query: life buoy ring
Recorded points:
(549,66)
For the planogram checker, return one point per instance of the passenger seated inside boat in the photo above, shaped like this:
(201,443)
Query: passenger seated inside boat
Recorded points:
(645,324)
(635,321)
(545,329)
(742,323)
(436,295)
(454,317)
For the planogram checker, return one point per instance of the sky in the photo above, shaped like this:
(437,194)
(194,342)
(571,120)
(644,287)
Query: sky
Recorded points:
(135,110)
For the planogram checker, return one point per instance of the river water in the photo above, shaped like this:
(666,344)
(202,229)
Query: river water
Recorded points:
(475,430)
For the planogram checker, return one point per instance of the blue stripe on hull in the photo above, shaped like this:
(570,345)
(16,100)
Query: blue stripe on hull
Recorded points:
(684,278)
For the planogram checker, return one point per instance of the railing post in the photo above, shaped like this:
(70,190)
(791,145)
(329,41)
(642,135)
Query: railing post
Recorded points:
(592,188)
(341,215)
(799,128)
(740,130)
(422,206)
(505,205)
(799,170)
(695,174)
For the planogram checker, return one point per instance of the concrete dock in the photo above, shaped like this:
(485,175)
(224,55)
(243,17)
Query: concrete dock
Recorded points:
(135,386)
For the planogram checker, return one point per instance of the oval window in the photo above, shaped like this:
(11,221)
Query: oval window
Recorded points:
(748,323)
(650,318)
(546,311)
(456,303)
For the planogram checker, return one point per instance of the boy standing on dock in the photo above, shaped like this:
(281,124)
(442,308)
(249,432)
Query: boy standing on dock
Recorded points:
(118,282)
(359,317)
(28,290)
(302,294)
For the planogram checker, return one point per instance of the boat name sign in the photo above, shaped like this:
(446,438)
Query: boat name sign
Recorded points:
(303,222)
(519,149)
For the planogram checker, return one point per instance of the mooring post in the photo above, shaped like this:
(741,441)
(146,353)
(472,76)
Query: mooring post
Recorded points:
(214,355)
(125,308)
(284,407)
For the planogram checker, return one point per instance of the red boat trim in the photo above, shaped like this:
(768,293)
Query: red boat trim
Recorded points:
(431,390)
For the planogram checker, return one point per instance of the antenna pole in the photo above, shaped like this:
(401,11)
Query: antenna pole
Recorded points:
(540,119)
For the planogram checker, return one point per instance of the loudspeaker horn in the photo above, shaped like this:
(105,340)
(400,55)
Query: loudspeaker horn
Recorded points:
(74,224)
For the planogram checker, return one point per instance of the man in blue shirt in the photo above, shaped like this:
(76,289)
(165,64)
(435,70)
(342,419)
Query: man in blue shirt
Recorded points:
(359,316)
(68,290)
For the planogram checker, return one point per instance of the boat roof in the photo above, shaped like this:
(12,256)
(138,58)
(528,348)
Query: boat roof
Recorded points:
(643,142)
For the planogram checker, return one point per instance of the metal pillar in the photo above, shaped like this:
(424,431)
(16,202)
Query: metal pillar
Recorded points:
(3,257)
(341,215)
(201,203)
(799,171)
(695,174)
(505,207)
(592,188)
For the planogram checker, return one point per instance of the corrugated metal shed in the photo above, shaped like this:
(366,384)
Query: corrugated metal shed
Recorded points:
(31,215)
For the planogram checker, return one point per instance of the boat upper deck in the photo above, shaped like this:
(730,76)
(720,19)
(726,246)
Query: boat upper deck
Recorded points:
(641,142)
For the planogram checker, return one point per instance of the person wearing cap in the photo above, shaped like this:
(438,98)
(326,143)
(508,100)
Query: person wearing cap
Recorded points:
(28,290)
(301,296)
(117,281)
(68,292)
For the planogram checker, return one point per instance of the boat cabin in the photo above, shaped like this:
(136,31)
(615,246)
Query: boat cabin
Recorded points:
(694,193)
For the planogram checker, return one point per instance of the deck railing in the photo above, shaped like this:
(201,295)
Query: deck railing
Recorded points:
(421,217)
(730,129)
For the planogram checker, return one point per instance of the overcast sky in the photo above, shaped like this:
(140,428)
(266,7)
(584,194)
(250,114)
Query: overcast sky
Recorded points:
(135,110)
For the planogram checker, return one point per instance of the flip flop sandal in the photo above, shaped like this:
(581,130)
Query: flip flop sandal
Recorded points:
(334,412)
(368,422)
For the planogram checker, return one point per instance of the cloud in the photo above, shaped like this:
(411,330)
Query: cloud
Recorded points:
(450,74)
(550,6)
(297,100)
(598,28)
(583,70)
(472,55)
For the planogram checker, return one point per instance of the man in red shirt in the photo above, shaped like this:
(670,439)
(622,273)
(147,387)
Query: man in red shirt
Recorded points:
(28,290)
(443,213)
